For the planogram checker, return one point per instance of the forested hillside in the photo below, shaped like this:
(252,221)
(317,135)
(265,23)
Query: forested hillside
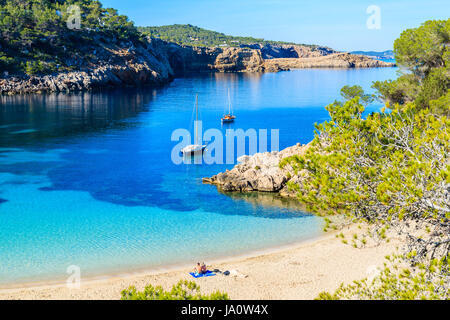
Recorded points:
(45,36)
(186,34)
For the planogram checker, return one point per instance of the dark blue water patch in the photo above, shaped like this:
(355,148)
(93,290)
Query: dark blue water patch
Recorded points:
(106,177)
(6,151)
(28,167)
(28,119)
(3,200)
(15,182)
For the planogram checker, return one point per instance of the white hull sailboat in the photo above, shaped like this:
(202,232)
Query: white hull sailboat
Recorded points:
(197,147)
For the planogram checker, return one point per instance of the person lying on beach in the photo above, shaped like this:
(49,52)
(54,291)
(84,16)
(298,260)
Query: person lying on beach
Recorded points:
(198,268)
(203,268)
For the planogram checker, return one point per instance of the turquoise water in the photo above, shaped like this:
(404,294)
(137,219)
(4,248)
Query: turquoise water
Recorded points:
(86,179)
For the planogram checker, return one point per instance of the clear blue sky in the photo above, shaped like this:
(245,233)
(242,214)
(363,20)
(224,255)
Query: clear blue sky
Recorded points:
(337,24)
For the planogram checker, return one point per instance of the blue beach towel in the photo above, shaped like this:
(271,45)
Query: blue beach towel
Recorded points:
(206,274)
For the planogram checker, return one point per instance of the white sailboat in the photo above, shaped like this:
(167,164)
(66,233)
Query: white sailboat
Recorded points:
(197,147)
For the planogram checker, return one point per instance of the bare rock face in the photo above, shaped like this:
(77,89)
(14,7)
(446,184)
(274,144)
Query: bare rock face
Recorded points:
(335,60)
(184,59)
(276,51)
(260,172)
(239,59)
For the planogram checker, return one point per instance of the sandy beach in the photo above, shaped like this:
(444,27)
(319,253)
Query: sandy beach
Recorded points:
(301,271)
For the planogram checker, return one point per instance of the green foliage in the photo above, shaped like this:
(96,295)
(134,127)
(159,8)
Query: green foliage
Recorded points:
(351,92)
(35,38)
(186,34)
(391,170)
(370,161)
(424,49)
(441,105)
(434,86)
(402,90)
(425,54)
(39,67)
(183,290)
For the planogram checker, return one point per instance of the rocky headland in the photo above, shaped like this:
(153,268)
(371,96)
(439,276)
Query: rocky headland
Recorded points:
(158,62)
(260,172)
(333,60)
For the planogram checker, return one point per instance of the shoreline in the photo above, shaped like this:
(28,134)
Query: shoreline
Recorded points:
(321,264)
(145,271)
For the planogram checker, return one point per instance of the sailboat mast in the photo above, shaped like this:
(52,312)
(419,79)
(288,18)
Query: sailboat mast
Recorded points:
(229,103)
(196,119)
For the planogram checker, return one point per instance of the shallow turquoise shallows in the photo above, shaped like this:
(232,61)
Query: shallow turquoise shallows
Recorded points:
(87,179)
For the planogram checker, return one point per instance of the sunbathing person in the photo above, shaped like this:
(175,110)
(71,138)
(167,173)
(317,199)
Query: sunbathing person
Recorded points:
(203,268)
(198,268)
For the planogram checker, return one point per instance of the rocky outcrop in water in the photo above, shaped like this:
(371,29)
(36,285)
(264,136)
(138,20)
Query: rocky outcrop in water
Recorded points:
(260,172)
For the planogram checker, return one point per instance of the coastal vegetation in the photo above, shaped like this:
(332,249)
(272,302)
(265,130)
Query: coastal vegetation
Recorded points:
(186,34)
(424,53)
(183,290)
(37,38)
(391,169)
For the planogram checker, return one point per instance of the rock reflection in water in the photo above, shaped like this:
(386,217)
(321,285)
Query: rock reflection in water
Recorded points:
(264,200)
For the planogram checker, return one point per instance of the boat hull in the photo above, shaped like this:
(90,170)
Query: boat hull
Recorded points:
(193,149)
(228,118)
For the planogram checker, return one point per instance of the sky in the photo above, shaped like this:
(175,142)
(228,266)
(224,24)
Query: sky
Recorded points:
(339,24)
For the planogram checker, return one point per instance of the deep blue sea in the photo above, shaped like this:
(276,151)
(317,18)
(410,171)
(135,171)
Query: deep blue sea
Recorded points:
(86,179)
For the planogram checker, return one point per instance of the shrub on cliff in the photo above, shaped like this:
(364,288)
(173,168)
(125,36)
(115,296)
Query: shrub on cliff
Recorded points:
(183,290)
(391,170)
(424,53)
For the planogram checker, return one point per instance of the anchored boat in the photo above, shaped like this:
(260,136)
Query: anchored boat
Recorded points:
(197,147)
(228,117)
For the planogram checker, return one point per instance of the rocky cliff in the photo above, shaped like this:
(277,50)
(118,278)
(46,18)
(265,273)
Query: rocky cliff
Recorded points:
(156,63)
(121,67)
(185,59)
(275,51)
(260,172)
